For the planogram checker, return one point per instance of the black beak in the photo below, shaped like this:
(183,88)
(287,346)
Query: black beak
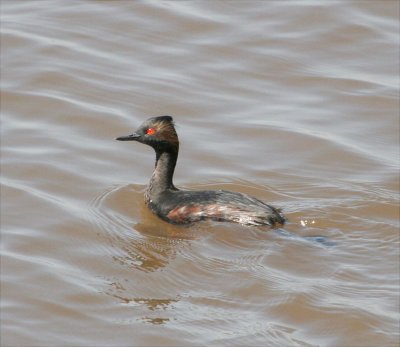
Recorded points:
(132,137)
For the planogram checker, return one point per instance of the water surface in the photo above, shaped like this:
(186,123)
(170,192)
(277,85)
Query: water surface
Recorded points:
(294,102)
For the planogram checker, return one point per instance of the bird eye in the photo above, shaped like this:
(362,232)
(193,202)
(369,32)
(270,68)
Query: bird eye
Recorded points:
(150,131)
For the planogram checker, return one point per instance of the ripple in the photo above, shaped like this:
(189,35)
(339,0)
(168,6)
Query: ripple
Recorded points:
(145,246)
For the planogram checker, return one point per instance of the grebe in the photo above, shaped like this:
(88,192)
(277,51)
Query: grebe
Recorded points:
(183,206)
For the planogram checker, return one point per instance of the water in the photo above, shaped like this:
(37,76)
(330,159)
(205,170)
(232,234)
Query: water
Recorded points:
(296,103)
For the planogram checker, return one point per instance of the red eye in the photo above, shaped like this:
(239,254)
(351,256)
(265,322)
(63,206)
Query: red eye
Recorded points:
(150,131)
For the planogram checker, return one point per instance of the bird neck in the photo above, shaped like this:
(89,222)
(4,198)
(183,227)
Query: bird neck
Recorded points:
(163,173)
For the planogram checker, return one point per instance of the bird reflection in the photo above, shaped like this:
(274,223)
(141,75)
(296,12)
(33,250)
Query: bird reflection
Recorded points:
(157,245)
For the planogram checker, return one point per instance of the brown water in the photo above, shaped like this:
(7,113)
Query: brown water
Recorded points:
(294,102)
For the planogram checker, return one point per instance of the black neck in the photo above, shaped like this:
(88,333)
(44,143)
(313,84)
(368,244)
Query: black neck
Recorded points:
(164,171)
